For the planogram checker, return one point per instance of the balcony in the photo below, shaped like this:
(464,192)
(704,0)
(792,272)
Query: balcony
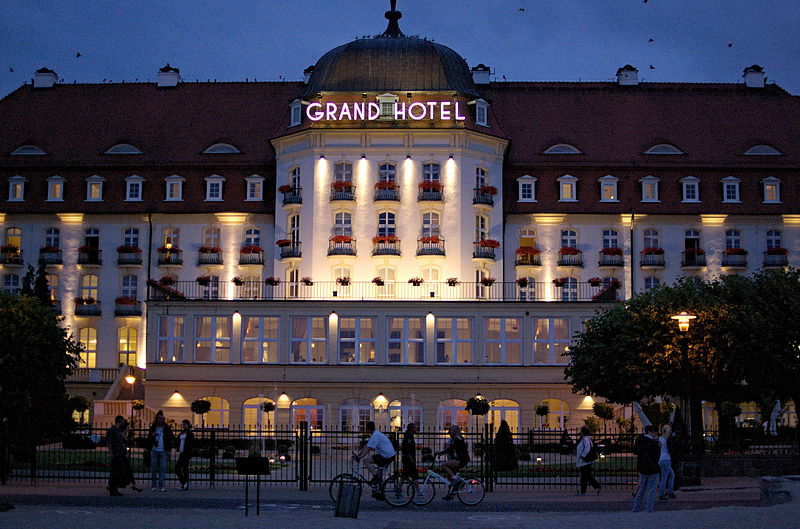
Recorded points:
(734,259)
(251,255)
(386,191)
(343,191)
(291,251)
(209,258)
(342,245)
(527,256)
(568,256)
(652,258)
(432,245)
(485,249)
(610,258)
(90,256)
(430,192)
(774,259)
(87,307)
(171,257)
(125,307)
(10,255)
(291,195)
(693,259)
(484,196)
(385,245)
(129,256)
(49,255)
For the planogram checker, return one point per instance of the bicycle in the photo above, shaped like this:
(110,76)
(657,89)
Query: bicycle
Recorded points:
(469,491)
(396,490)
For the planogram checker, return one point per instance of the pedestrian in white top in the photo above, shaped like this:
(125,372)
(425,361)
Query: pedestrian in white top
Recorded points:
(584,466)
(383,452)
(665,487)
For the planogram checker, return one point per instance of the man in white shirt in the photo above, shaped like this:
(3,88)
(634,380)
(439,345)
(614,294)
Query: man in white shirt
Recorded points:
(383,452)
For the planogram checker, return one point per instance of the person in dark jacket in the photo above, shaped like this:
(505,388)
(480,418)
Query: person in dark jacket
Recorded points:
(159,443)
(185,446)
(408,452)
(647,450)
(458,451)
(121,472)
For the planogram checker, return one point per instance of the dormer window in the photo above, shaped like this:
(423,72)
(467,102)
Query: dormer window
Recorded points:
(133,188)
(562,148)
(690,188)
(123,148)
(567,188)
(386,102)
(214,188)
(730,190)
(296,108)
(649,189)
(174,190)
(526,186)
(27,150)
(663,148)
(55,189)
(16,188)
(222,148)
(255,188)
(481,112)
(772,190)
(608,188)
(94,188)
(762,150)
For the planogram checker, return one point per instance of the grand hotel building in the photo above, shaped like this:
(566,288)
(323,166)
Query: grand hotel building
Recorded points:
(385,239)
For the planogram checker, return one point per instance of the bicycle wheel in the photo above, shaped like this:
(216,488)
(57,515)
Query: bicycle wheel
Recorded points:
(426,491)
(398,491)
(471,492)
(338,481)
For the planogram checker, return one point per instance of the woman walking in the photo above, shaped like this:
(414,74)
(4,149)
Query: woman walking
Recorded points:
(665,486)
(584,466)
(185,447)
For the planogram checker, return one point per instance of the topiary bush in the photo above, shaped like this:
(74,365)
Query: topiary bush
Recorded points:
(505,453)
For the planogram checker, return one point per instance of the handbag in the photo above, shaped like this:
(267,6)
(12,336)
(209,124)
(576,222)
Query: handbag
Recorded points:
(592,455)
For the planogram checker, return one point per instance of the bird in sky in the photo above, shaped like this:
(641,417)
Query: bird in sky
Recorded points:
(651,40)
(730,44)
(644,1)
(521,9)
(10,69)
(77,55)
(652,67)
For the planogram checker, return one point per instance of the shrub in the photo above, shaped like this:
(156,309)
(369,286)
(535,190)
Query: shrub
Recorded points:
(505,454)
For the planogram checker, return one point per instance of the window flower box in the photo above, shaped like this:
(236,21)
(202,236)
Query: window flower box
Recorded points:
(433,239)
(522,282)
(307,281)
(653,251)
(203,280)
(611,251)
(168,280)
(384,239)
(282,243)
(84,301)
(430,186)
(378,281)
(342,186)
(285,188)
(487,281)
(164,249)
(343,281)
(595,281)
(735,251)
(10,248)
(210,249)
(489,243)
(272,281)
(238,281)
(416,281)
(694,251)
(453,281)
(488,190)
(568,250)
(560,281)
(777,251)
(341,238)
(389,185)
(125,300)
(251,248)
(128,249)
(527,250)
(48,249)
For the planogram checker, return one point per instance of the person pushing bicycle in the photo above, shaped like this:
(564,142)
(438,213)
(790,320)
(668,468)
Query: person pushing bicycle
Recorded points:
(459,455)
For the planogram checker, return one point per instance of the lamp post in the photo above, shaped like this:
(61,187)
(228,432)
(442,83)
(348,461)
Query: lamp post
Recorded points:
(691,418)
(131,380)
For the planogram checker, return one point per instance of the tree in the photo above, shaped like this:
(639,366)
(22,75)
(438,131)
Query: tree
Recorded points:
(604,411)
(201,407)
(36,355)
(80,404)
(35,284)
(542,410)
(505,453)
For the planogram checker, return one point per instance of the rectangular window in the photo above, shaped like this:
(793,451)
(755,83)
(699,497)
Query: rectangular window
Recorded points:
(772,191)
(131,237)
(567,191)
(526,191)
(503,341)
(55,190)
(309,340)
(213,339)
(406,341)
(87,336)
(608,191)
(650,191)
(127,339)
(691,192)
(16,191)
(730,191)
(430,172)
(550,341)
(297,114)
(254,189)
(480,114)
(134,190)
(454,341)
(356,340)
(260,339)
(94,191)
(170,339)
(174,190)
(343,172)
(214,189)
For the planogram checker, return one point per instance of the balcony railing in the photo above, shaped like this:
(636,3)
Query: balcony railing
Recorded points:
(293,196)
(88,309)
(775,261)
(692,259)
(291,251)
(50,258)
(388,291)
(610,260)
(566,259)
(425,246)
(209,258)
(170,258)
(90,257)
(482,197)
(386,248)
(342,193)
(12,257)
(91,374)
(129,258)
(126,309)
(387,194)
(429,195)
(734,260)
(342,247)
(251,258)
(482,252)
(528,259)
(652,260)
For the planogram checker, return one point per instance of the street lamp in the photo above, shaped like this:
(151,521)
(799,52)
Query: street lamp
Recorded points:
(691,417)
(131,380)
(683,319)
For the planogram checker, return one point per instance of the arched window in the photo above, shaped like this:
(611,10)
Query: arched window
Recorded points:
(87,336)
(221,148)
(252,237)
(343,224)
(255,418)
(663,148)
(91,238)
(211,237)
(569,239)
(386,224)
(127,338)
(504,410)
(354,414)
(562,148)
(401,412)
(557,417)
(123,148)
(610,239)
(217,417)
(450,412)
(308,410)
(52,237)
(171,237)
(14,238)
(343,172)
(130,285)
(430,224)
(387,172)
(430,172)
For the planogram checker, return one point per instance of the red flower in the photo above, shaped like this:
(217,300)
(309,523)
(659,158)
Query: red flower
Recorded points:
(568,250)
(210,249)
(735,251)
(653,251)
(342,186)
(777,251)
(384,239)
(433,239)
(251,248)
(341,238)
(285,188)
(128,249)
(489,243)
(383,184)
(430,186)
(283,242)
(488,190)
(125,300)
(611,251)
(528,250)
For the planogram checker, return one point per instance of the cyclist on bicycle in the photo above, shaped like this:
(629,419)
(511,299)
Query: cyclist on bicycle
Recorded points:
(383,452)
(459,456)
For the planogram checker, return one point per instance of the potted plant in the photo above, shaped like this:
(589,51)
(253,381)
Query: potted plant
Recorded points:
(168,280)
(416,281)
(595,281)
(431,239)
(560,281)
(477,405)
(342,186)
(285,188)
(735,251)
(488,190)
(384,184)
(84,301)
(568,250)
(528,250)
(210,249)
(430,186)
(653,251)
(238,281)
(453,281)
(201,407)
(489,243)
(343,281)
(384,239)
(307,281)
(378,281)
(487,281)
(282,243)
(125,300)
(341,239)
(203,280)
(522,282)
(165,249)
(272,281)
(251,248)
(777,251)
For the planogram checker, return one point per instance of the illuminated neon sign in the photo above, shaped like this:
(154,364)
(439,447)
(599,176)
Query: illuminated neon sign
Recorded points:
(330,111)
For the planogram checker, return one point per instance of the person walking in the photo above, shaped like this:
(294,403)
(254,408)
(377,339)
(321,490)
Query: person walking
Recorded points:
(185,447)
(121,472)
(647,450)
(665,487)
(408,452)
(584,460)
(159,443)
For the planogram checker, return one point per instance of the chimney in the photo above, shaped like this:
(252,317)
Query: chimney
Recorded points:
(44,78)
(754,76)
(307,73)
(480,74)
(168,76)
(628,76)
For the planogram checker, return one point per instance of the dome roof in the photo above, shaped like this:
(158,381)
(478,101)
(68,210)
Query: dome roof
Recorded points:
(391,61)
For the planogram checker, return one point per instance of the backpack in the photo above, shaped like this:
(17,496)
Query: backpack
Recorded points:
(592,455)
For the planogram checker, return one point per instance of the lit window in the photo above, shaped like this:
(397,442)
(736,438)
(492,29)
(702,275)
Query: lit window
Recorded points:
(16,189)
(94,188)
(213,339)
(174,190)
(406,341)
(481,112)
(772,190)
(89,286)
(690,187)
(526,186)
(260,339)
(386,102)
(214,188)
(356,340)
(127,338)
(309,340)
(730,189)
(211,237)
(503,341)
(55,188)
(649,189)
(567,185)
(453,340)
(133,188)
(608,189)
(171,237)
(255,188)
(170,338)
(87,336)
(343,172)
(550,341)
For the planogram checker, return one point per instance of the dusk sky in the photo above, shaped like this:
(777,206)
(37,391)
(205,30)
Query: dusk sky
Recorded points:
(523,40)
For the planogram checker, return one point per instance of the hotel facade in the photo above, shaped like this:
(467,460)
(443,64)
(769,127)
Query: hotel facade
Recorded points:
(384,240)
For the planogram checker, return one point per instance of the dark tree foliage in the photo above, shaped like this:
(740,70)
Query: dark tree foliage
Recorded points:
(36,355)
(201,406)
(505,453)
(35,284)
